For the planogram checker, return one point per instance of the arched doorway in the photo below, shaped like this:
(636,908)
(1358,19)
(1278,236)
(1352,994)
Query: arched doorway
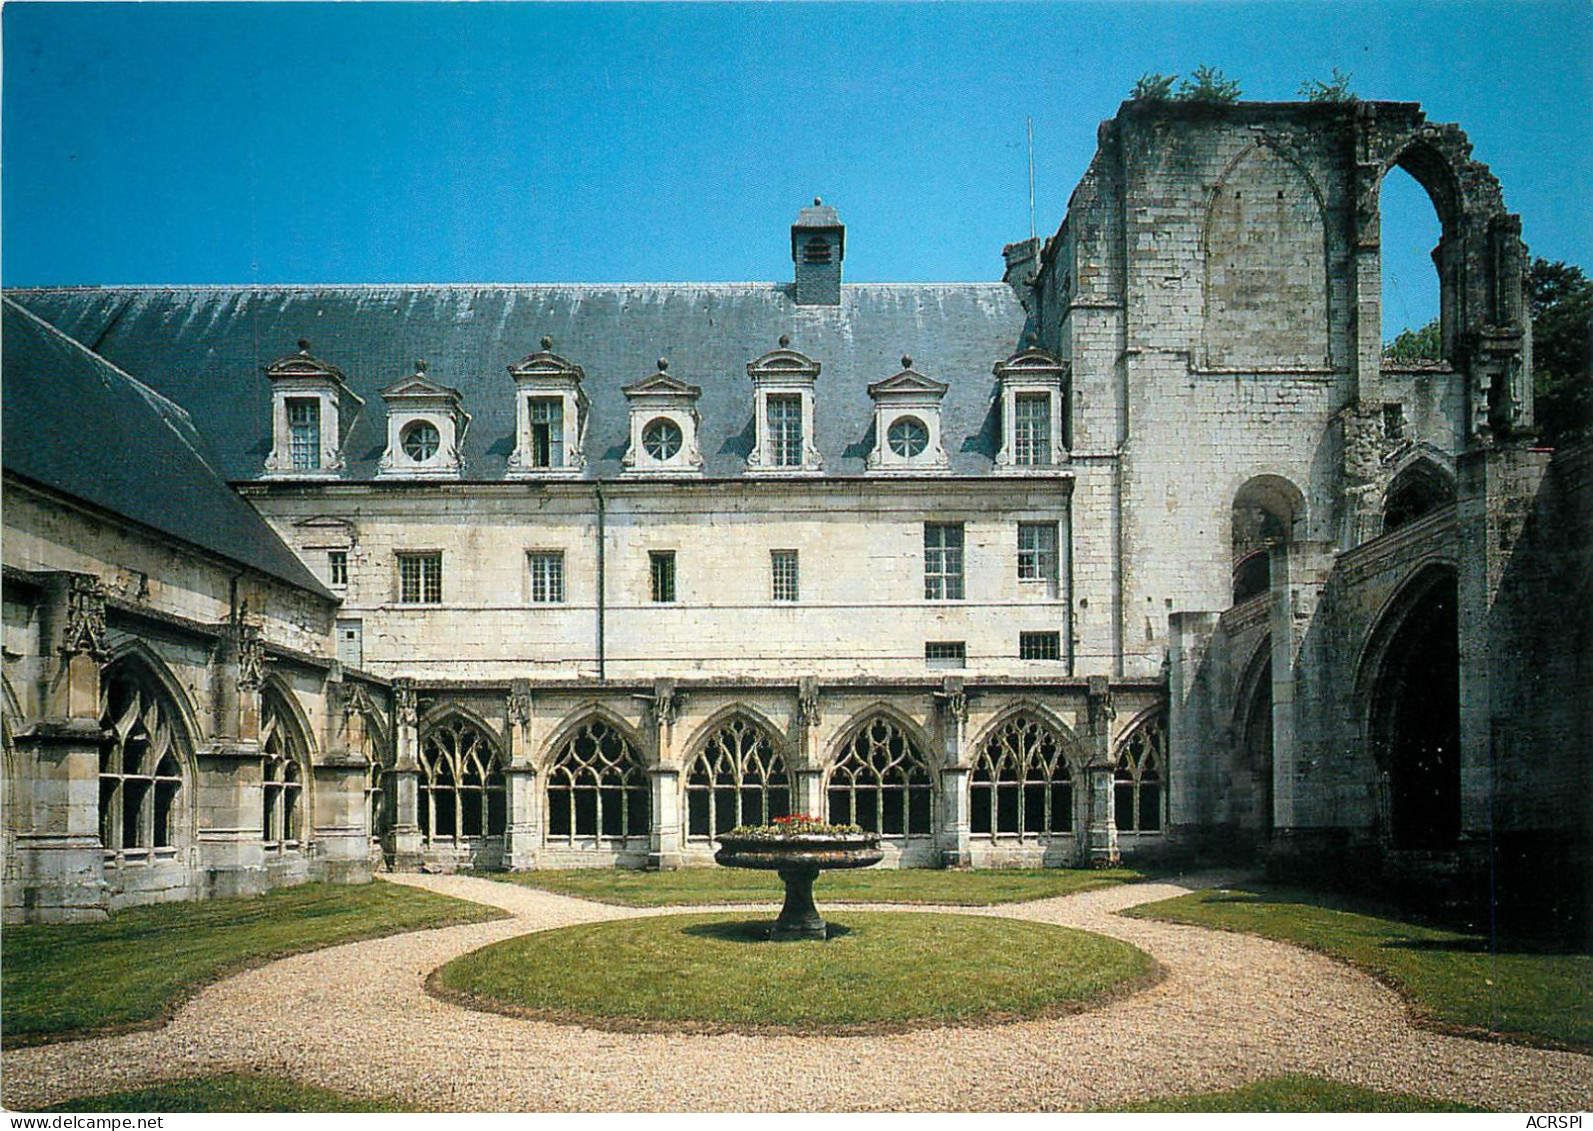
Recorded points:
(1415,715)
(1264,513)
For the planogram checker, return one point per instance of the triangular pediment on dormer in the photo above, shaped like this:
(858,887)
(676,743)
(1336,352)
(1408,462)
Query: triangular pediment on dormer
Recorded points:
(418,385)
(546,365)
(909,380)
(661,385)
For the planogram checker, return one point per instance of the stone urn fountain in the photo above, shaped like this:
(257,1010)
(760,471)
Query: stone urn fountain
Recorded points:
(799,848)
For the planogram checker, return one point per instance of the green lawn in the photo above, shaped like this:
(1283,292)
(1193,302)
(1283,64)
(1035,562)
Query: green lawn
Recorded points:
(1298,1094)
(238,1092)
(691,886)
(66,980)
(1452,979)
(713,973)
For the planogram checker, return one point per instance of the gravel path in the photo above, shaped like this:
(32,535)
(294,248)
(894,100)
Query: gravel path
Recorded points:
(1232,1009)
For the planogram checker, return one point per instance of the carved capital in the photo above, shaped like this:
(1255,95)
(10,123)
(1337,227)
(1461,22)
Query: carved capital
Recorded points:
(665,703)
(85,617)
(518,706)
(251,657)
(1101,708)
(953,704)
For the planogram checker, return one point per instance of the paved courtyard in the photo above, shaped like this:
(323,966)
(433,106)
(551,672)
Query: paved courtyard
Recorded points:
(1231,1009)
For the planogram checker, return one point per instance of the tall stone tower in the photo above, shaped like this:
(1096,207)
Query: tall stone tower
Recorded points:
(818,244)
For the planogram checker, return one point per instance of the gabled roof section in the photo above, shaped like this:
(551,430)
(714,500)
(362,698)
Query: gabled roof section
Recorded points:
(76,424)
(909,380)
(661,384)
(206,348)
(418,384)
(546,363)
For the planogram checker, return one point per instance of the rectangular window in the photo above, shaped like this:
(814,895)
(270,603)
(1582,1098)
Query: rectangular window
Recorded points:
(946,654)
(1039,645)
(337,567)
(420,578)
(1031,429)
(661,565)
(547,431)
(943,561)
(1394,421)
(785,430)
(304,432)
(547,577)
(783,568)
(1037,557)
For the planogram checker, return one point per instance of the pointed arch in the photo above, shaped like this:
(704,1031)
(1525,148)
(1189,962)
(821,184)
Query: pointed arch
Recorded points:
(597,786)
(1139,779)
(450,712)
(909,726)
(1021,784)
(736,774)
(138,656)
(287,750)
(579,718)
(1408,695)
(147,761)
(880,777)
(1265,247)
(461,794)
(1029,705)
(705,731)
(1418,488)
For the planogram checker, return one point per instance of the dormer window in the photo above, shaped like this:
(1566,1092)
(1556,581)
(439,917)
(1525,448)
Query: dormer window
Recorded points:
(304,429)
(426,427)
(550,416)
(664,425)
(311,413)
(1033,390)
(907,424)
(782,392)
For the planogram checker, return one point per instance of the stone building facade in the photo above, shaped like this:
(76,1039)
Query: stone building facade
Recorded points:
(1144,550)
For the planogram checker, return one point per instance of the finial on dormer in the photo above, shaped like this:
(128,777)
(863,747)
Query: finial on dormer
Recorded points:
(785,341)
(663,364)
(547,342)
(818,202)
(304,346)
(420,367)
(907,361)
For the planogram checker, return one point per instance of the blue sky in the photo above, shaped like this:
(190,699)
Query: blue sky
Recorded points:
(244,143)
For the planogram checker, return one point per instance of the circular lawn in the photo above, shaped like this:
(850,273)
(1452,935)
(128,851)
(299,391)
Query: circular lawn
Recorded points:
(879,971)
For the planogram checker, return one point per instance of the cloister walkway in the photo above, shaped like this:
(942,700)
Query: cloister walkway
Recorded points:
(1231,1009)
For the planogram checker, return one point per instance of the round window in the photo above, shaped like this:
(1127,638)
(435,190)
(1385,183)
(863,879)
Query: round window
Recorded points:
(661,438)
(908,436)
(421,441)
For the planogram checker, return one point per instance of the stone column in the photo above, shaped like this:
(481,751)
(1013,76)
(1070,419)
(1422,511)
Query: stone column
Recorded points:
(1191,733)
(341,818)
(523,834)
(955,850)
(1299,571)
(61,861)
(807,776)
(663,709)
(231,841)
(401,783)
(1100,830)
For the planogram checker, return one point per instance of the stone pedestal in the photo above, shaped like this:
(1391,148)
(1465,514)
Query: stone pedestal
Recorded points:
(403,843)
(342,834)
(955,848)
(523,835)
(663,853)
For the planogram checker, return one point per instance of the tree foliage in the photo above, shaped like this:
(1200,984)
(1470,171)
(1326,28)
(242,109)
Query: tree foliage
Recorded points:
(1335,90)
(1153,87)
(1208,84)
(1424,344)
(1560,298)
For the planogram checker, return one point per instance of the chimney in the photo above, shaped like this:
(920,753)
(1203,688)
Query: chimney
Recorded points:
(818,244)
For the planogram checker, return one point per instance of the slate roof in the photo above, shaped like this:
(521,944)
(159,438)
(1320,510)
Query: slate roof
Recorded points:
(205,348)
(77,424)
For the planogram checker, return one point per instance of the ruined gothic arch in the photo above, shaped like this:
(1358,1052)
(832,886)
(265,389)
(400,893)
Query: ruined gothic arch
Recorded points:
(1251,728)
(1418,487)
(737,772)
(1408,699)
(1267,510)
(1265,251)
